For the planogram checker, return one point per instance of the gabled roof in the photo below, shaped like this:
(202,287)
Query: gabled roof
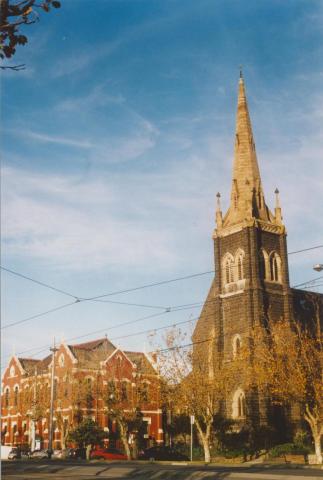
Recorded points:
(90,354)
(30,364)
(141,361)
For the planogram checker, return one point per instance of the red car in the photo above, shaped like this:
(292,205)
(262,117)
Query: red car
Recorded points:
(108,454)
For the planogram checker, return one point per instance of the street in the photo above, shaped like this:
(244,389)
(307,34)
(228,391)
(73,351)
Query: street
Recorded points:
(57,470)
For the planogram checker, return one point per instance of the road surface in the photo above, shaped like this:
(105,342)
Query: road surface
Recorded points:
(63,470)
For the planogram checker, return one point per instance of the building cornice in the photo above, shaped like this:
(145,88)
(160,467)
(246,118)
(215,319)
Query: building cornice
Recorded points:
(253,222)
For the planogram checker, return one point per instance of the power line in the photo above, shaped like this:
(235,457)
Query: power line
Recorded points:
(105,329)
(46,347)
(38,282)
(95,298)
(309,281)
(39,315)
(305,250)
(156,284)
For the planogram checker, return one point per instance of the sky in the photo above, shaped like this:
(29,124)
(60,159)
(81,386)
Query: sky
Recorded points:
(115,140)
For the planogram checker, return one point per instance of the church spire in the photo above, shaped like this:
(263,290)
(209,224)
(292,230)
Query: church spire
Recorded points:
(247,198)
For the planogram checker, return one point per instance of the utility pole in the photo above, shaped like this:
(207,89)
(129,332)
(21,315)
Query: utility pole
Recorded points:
(32,426)
(51,411)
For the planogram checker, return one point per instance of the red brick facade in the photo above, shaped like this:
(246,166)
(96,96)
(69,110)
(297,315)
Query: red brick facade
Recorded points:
(84,376)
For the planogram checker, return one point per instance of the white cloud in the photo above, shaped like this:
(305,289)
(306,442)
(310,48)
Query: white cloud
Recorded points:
(57,139)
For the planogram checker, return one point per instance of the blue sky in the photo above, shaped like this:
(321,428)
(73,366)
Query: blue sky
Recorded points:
(117,137)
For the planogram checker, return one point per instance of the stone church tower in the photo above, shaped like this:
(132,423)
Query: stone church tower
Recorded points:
(251,283)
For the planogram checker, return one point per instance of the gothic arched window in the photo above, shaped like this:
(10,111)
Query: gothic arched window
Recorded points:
(236,345)
(240,271)
(239,256)
(241,406)
(275,267)
(227,268)
(239,410)
(264,264)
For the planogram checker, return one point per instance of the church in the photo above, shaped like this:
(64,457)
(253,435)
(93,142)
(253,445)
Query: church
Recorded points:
(251,286)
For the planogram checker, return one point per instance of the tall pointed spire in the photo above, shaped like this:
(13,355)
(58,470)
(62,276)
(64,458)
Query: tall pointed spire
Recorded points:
(247,199)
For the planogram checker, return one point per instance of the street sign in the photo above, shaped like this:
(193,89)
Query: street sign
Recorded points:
(192,419)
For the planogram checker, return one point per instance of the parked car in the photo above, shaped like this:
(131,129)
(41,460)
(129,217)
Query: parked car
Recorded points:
(39,454)
(162,453)
(58,454)
(14,453)
(76,453)
(108,454)
(18,452)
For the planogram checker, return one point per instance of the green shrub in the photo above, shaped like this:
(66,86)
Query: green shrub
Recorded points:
(288,449)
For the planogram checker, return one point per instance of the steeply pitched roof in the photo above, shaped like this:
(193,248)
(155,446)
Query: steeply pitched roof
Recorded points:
(90,354)
(247,198)
(30,364)
(141,361)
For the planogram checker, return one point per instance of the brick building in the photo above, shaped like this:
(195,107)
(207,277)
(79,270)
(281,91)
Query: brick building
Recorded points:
(85,374)
(251,284)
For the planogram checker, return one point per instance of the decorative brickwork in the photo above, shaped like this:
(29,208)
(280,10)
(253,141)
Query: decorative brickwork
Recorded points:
(83,375)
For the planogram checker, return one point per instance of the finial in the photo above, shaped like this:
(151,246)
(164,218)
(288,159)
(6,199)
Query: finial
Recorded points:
(218,201)
(240,71)
(277,197)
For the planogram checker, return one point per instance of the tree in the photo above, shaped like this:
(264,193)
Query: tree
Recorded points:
(13,15)
(123,405)
(288,362)
(86,435)
(192,383)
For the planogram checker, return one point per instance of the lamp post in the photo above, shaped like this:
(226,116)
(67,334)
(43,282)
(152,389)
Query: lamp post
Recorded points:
(51,411)
(318,267)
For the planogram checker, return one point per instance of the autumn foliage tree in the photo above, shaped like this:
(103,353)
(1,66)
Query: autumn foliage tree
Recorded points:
(13,16)
(123,403)
(288,362)
(191,383)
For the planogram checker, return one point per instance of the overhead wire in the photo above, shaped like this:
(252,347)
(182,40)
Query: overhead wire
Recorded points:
(176,308)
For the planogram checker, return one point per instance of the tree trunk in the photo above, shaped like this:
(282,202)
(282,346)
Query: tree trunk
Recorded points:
(205,437)
(124,438)
(88,451)
(318,450)
(316,430)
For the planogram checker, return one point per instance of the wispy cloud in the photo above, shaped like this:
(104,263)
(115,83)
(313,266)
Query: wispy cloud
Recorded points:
(60,140)
(96,98)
